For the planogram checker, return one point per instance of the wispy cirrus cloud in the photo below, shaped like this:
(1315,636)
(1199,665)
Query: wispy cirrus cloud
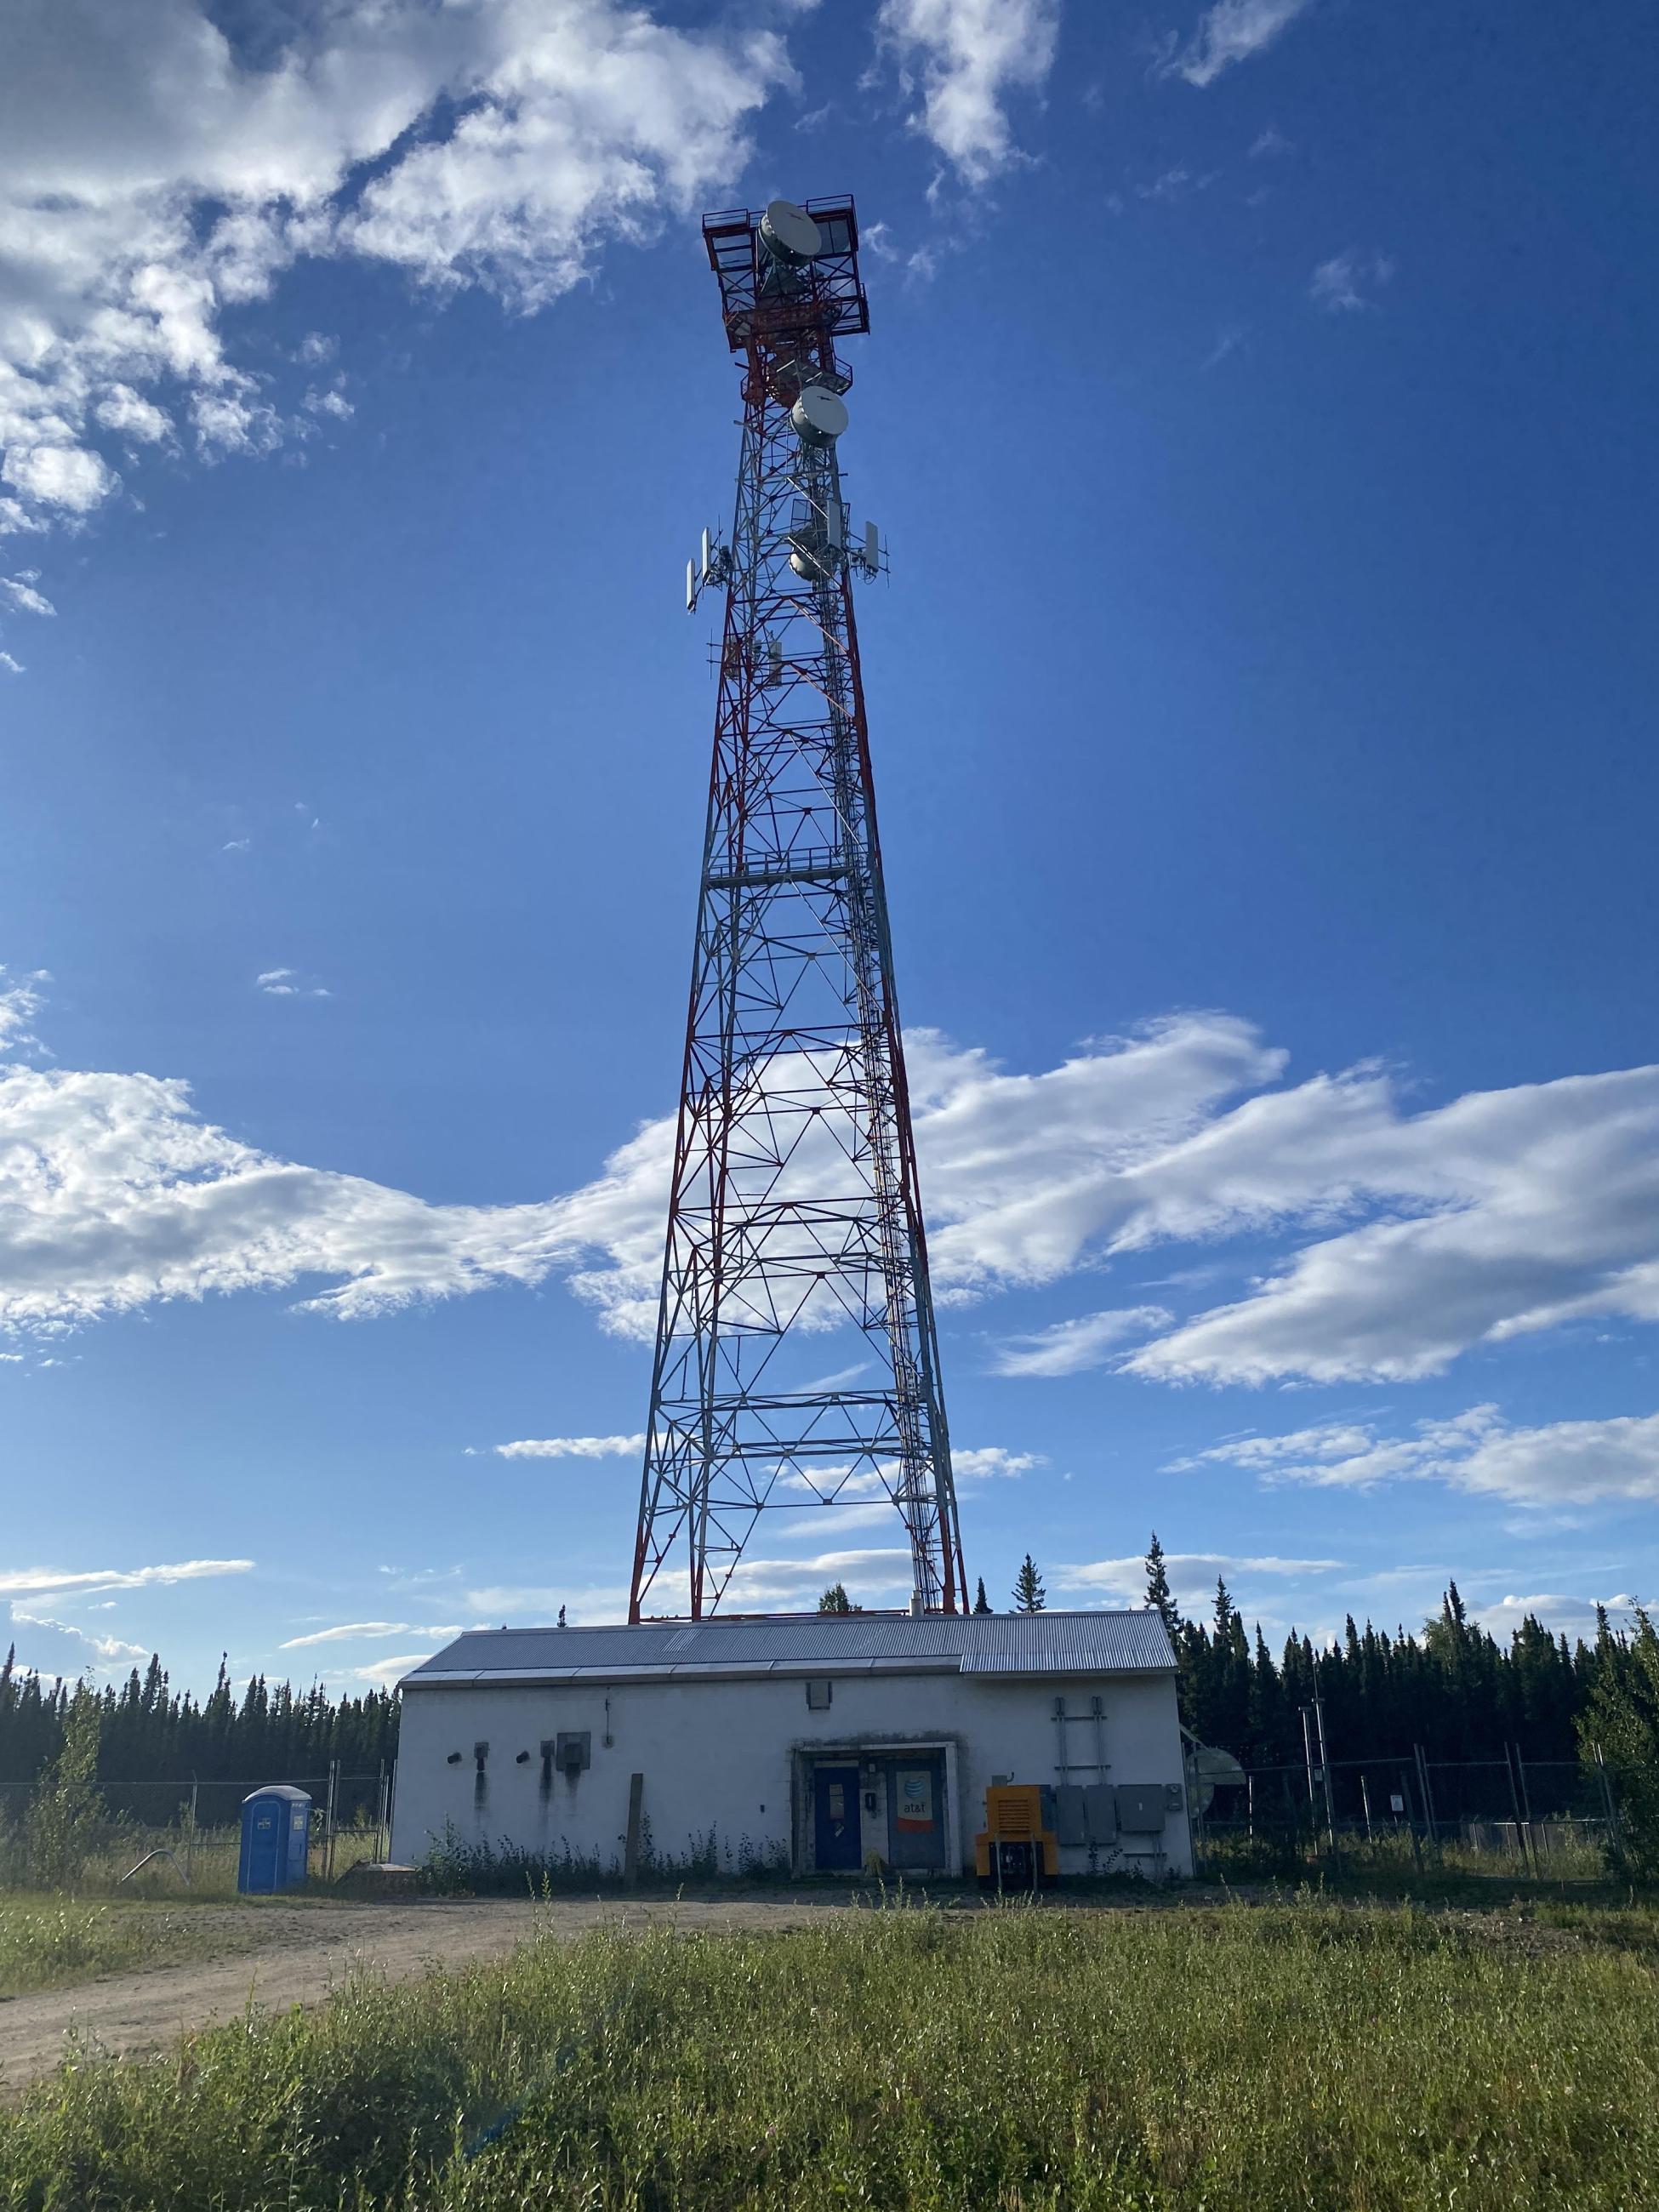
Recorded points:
(1229,33)
(18,593)
(1559,1463)
(1346,283)
(1072,1347)
(354,1632)
(55,1581)
(969,55)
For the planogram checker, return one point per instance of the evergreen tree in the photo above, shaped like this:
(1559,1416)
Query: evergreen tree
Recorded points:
(982,1603)
(67,1816)
(1158,1594)
(836,1599)
(1029,1596)
(1622,1722)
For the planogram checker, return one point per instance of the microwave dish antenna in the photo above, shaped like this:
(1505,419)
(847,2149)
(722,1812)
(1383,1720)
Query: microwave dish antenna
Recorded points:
(819,415)
(789,233)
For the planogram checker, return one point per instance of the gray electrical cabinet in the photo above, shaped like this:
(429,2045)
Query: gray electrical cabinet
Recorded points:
(1071,1823)
(1084,1812)
(1140,1808)
(1100,1811)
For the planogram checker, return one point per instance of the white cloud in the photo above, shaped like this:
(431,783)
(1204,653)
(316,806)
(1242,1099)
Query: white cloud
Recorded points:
(351,1630)
(797,1583)
(1231,32)
(48,1646)
(129,415)
(1339,285)
(1572,1616)
(573,1447)
(382,1673)
(18,593)
(1562,1463)
(1193,1575)
(152,174)
(236,845)
(52,1581)
(1501,1214)
(284,982)
(1070,1347)
(1269,144)
(971,54)
(101,1647)
(979,1462)
(12,667)
(20,1002)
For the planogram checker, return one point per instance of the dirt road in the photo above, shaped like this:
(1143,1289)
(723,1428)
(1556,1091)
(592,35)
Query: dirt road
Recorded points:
(304,1952)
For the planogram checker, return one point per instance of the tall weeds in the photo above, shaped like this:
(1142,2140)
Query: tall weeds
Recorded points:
(1307,2054)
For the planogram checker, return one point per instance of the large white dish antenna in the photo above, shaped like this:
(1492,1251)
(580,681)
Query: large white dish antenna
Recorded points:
(819,415)
(789,233)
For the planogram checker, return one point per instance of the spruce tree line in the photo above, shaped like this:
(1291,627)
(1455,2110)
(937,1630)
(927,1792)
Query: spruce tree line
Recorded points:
(149,1734)
(1451,1688)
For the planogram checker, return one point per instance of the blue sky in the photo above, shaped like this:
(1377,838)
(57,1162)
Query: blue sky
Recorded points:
(1258,410)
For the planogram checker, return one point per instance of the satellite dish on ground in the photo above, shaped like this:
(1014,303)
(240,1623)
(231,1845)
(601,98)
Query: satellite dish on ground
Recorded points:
(818,415)
(789,233)
(1210,1769)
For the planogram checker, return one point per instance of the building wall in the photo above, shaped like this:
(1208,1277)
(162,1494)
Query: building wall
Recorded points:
(732,1756)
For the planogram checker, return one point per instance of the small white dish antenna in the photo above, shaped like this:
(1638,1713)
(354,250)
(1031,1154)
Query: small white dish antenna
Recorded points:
(819,416)
(789,233)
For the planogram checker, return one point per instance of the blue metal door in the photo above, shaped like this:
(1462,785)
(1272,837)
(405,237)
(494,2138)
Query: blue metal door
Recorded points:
(835,1830)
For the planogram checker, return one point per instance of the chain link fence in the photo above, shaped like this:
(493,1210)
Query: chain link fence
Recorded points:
(158,1836)
(1554,1821)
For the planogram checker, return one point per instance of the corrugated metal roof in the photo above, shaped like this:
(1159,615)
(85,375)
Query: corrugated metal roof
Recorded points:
(977,1644)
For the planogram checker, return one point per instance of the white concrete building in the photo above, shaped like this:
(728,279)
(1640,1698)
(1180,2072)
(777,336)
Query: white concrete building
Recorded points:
(805,1743)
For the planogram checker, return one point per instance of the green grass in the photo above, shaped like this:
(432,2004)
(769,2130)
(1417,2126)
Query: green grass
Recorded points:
(1308,2054)
(48,1943)
(115,1868)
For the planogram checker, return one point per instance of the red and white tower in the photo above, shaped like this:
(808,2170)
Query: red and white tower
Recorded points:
(797,1364)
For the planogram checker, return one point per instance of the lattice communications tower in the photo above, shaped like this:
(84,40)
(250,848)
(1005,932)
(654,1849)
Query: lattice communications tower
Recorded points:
(796,1362)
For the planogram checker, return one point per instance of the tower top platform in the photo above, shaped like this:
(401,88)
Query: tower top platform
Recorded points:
(766,300)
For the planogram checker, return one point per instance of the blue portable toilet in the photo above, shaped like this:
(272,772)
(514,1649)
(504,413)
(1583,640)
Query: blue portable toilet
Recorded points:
(276,1839)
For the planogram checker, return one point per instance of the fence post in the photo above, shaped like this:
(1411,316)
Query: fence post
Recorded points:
(1615,1842)
(1325,1773)
(1411,1817)
(1308,1768)
(1429,1822)
(189,1840)
(1526,1806)
(331,1802)
(1520,1837)
(1365,1801)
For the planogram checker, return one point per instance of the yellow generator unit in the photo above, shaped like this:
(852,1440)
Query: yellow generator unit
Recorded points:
(1014,1850)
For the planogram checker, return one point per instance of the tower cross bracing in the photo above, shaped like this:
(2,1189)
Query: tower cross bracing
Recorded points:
(797,1362)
